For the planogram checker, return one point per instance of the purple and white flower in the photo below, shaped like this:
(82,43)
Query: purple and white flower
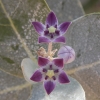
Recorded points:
(51,31)
(50,72)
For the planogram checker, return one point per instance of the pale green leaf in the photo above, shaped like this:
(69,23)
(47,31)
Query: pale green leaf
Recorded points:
(84,36)
(28,68)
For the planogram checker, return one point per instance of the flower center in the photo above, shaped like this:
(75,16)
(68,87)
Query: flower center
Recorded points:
(50,73)
(52,29)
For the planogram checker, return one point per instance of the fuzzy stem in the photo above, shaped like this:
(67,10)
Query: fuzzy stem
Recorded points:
(49,49)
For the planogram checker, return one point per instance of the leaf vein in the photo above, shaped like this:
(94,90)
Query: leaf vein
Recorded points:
(22,41)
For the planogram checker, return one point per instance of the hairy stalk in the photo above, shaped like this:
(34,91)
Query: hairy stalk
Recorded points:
(49,49)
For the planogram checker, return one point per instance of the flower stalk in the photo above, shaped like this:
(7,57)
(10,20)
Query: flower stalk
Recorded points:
(49,49)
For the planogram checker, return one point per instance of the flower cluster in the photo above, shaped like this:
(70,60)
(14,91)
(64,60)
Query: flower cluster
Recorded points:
(50,69)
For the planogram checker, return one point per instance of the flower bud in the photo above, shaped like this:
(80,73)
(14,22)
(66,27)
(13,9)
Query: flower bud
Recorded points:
(67,53)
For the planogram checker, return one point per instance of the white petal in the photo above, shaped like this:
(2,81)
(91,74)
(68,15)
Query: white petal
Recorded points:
(28,68)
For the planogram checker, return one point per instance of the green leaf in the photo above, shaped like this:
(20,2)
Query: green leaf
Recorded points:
(18,38)
(66,10)
(84,36)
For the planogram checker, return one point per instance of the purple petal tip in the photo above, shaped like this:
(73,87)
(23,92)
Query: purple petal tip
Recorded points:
(42,61)
(51,19)
(58,62)
(37,76)
(64,26)
(63,78)
(49,86)
(39,27)
(43,40)
(60,39)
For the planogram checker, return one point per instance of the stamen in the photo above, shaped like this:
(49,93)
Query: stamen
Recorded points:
(57,33)
(51,35)
(44,70)
(56,71)
(47,26)
(55,26)
(50,67)
(46,33)
(54,78)
(46,77)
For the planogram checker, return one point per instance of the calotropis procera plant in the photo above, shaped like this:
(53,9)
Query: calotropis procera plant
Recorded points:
(50,69)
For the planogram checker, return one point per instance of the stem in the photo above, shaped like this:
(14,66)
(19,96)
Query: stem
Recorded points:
(49,49)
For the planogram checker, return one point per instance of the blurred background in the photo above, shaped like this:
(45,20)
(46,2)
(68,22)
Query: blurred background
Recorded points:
(17,88)
(90,6)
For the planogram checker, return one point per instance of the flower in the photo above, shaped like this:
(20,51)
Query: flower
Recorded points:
(51,31)
(50,72)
